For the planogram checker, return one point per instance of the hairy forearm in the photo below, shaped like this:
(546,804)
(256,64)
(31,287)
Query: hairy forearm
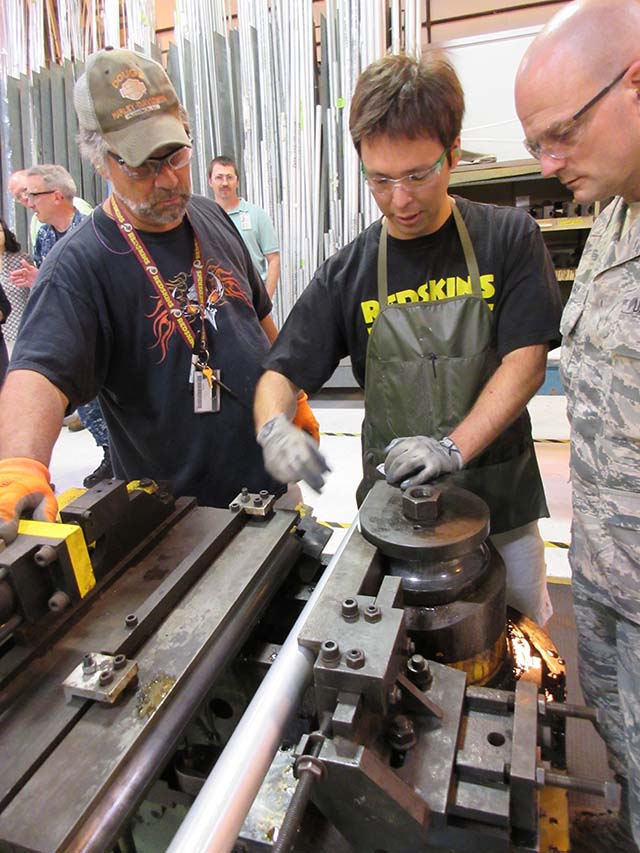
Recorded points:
(275,395)
(502,399)
(273,273)
(31,412)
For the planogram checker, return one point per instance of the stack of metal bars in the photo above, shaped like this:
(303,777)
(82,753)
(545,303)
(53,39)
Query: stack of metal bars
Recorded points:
(260,89)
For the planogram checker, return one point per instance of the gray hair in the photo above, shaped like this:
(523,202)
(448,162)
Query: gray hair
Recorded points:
(55,178)
(94,149)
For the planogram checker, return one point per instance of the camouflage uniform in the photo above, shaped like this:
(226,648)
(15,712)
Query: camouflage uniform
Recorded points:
(601,376)
(92,419)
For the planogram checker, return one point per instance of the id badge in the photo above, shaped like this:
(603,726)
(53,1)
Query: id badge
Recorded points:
(206,395)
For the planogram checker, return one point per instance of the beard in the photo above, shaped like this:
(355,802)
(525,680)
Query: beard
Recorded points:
(153,211)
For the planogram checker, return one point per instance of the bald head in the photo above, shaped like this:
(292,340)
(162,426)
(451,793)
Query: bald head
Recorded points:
(598,36)
(17,185)
(578,98)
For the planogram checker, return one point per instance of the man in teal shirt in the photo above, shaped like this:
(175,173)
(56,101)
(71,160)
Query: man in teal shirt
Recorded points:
(253,223)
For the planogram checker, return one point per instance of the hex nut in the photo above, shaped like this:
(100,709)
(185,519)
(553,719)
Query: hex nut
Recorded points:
(372,613)
(131,620)
(402,734)
(257,501)
(234,506)
(106,677)
(419,672)
(422,504)
(119,661)
(355,658)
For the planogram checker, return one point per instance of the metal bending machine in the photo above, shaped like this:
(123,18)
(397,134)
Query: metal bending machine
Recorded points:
(207,660)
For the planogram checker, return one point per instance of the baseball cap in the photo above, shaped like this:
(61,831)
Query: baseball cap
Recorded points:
(129,100)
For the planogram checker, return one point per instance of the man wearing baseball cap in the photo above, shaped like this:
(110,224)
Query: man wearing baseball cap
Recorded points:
(152,303)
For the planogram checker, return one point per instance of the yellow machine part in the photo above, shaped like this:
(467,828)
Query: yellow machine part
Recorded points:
(554,820)
(482,667)
(76,548)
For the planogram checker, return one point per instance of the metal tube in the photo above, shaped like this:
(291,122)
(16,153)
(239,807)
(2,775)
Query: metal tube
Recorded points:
(215,819)
(101,829)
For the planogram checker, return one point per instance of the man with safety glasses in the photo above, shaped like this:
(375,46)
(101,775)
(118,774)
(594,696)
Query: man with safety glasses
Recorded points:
(152,302)
(447,309)
(585,129)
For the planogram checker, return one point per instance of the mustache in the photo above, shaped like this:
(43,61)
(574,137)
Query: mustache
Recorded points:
(164,195)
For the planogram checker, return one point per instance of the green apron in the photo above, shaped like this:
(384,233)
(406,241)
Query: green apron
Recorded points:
(427,363)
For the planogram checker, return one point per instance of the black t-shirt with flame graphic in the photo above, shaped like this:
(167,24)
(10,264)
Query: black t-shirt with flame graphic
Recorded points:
(95,325)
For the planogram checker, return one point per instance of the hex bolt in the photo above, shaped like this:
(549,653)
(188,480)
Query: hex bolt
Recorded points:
(88,664)
(355,658)
(372,613)
(419,672)
(244,494)
(350,610)
(257,501)
(119,661)
(106,677)
(330,653)
(402,734)
(130,621)
(45,555)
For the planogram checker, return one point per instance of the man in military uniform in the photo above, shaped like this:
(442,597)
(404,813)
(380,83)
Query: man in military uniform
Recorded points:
(585,129)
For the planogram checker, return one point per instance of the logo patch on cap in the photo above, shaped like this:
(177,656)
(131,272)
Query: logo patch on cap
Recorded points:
(133,90)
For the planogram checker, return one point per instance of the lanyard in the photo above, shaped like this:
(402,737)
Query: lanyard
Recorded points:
(153,274)
(201,369)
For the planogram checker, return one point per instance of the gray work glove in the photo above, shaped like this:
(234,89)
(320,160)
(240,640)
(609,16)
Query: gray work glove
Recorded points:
(421,456)
(290,454)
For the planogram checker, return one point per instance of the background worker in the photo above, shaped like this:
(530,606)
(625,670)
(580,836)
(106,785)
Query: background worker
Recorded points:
(253,223)
(50,192)
(584,127)
(446,378)
(18,187)
(152,302)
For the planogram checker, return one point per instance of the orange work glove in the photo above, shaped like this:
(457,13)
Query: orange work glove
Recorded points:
(305,419)
(24,484)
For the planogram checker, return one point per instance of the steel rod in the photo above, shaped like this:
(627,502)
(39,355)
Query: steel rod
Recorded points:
(215,819)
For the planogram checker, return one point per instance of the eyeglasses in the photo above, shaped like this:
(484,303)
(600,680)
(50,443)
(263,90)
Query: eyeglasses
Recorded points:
(224,179)
(33,195)
(152,167)
(564,139)
(384,187)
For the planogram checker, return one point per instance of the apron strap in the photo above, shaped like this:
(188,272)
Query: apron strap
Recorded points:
(383,289)
(467,248)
